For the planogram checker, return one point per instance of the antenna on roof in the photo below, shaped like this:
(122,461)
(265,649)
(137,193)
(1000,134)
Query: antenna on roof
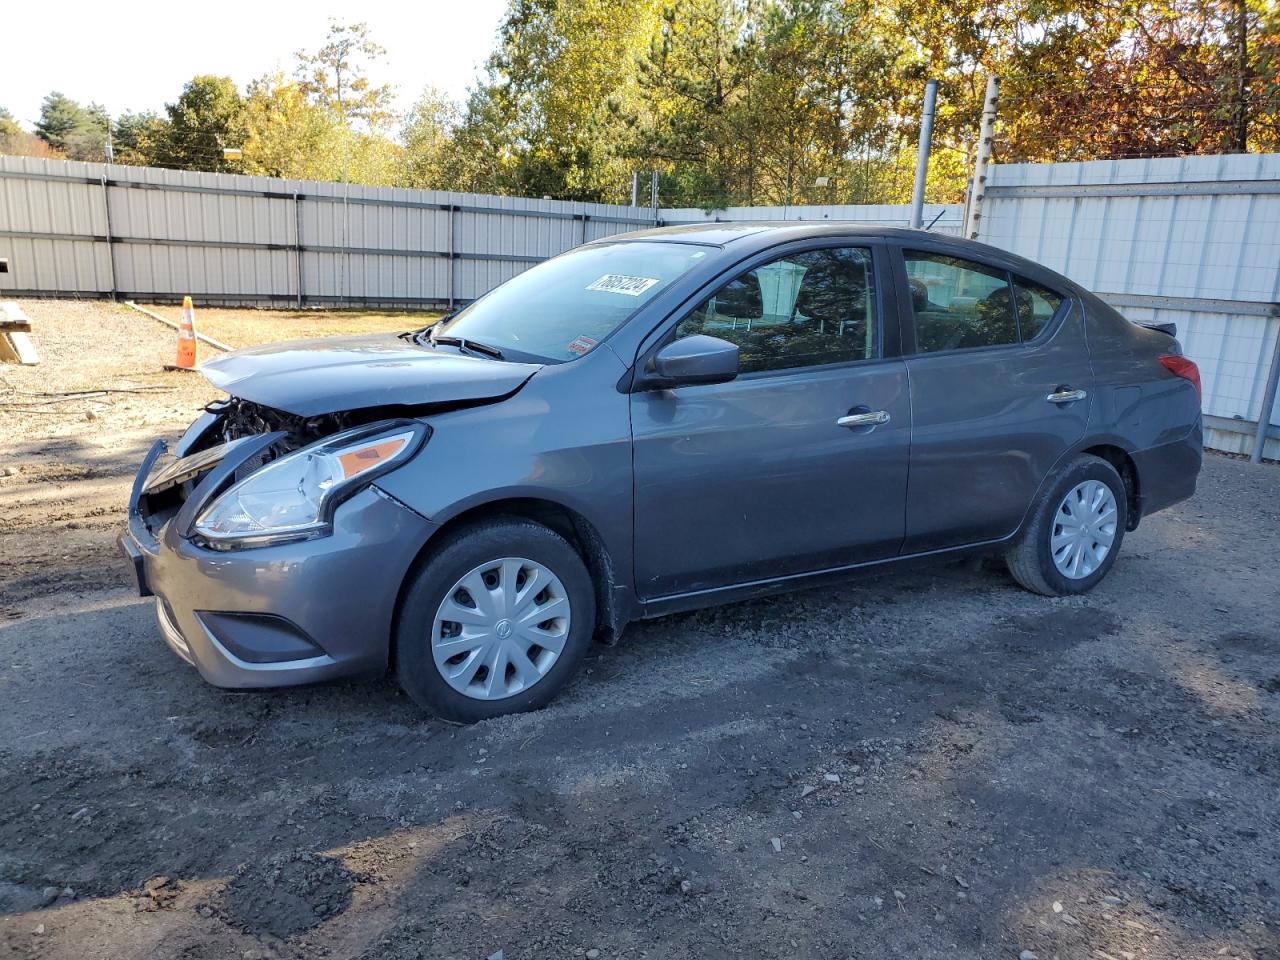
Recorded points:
(935,219)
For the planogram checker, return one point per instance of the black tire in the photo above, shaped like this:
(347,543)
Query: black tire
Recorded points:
(470,547)
(1030,560)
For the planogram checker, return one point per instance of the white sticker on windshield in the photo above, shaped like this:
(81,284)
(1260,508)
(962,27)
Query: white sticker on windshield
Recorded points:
(617,283)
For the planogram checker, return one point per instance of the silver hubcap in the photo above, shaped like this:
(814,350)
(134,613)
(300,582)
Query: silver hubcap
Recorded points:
(1084,528)
(501,628)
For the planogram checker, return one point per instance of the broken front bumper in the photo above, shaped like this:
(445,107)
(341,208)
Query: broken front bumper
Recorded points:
(276,615)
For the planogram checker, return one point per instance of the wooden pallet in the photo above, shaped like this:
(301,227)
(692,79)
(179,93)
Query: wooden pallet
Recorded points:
(16,345)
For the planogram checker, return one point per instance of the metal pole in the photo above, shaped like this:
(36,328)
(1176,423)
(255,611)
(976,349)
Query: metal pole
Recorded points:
(635,188)
(1268,399)
(111,247)
(985,137)
(297,246)
(922,156)
(449,279)
(345,273)
(653,195)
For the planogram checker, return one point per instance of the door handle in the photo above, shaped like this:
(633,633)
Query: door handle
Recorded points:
(873,419)
(1066,396)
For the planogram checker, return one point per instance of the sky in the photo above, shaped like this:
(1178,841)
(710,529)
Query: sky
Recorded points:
(137,54)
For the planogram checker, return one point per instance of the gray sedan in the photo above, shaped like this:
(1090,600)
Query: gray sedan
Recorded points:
(647,424)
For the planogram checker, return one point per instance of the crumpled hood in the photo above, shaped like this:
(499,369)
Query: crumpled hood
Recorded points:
(314,377)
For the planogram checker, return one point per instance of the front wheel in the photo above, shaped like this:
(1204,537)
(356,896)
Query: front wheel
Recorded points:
(497,622)
(1074,530)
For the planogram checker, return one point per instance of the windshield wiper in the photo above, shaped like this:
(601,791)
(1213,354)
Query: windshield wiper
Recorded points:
(415,336)
(471,346)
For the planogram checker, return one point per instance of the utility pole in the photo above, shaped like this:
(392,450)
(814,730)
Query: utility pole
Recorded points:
(111,153)
(1240,124)
(653,195)
(635,188)
(978,188)
(922,155)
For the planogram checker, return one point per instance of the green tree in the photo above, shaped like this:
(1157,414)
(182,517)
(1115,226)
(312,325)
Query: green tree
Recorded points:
(89,141)
(289,135)
(427,139)
(60,116)
(696,119)
(75,131)
(138,138)
(552,113)
(207,118)
(483,156)
(8,126)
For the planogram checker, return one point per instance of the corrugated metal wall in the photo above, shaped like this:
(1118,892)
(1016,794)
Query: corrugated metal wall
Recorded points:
(88,229)
(1193,240)
(944,217)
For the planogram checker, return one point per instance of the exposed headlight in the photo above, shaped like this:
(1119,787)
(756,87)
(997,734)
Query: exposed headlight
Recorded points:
(293,498)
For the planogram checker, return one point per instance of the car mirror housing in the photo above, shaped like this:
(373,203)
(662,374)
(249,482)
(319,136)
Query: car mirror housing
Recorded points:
(698,359)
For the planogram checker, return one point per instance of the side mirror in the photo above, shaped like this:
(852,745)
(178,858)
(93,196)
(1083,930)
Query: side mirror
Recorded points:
(692,360)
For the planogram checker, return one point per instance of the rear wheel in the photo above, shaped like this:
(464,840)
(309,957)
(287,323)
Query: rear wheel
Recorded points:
(1074,531)
(496,622)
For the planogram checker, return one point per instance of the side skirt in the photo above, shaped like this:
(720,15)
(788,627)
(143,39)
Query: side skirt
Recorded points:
(697,599)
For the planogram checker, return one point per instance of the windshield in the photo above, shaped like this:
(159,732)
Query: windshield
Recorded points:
(562,308)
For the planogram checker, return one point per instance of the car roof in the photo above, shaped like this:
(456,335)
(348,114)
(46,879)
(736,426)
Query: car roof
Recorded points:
(722,234)
(751,236)
(767,233)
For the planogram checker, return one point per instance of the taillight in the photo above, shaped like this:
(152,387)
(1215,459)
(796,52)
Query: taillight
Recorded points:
(1184,368)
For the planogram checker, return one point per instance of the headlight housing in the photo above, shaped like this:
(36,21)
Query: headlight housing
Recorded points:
(293,497)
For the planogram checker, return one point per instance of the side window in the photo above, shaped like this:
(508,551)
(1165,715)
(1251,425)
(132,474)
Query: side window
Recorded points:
(1036,306)
(958,304)
(805,309)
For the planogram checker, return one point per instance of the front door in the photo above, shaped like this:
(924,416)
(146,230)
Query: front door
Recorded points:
(800,464)
(1001,385)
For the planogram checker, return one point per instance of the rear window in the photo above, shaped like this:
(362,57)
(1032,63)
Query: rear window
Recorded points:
(562,308)
(1036,306)
(958,304)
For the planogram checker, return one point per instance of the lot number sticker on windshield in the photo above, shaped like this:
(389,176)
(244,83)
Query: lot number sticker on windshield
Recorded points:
(617,283)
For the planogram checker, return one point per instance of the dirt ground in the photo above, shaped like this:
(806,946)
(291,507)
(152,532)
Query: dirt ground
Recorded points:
(929,763)
(241,328)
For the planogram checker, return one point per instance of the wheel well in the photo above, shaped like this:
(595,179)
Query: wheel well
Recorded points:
(1128,471)
(575,528)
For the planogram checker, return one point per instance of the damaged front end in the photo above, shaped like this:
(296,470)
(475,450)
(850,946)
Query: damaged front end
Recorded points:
(306,424)
(254,540)
(246,475)
(233,418)
(265,521)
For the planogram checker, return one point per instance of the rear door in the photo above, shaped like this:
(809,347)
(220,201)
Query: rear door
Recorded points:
(767,476)
(1001,387)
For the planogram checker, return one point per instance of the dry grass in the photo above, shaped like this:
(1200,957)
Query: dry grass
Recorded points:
(246,327)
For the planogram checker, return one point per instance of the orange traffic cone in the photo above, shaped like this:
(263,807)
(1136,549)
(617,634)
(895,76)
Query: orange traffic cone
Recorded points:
(186,339)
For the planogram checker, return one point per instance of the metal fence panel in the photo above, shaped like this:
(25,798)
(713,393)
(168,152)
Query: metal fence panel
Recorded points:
(93,230)
(1193,240)
(945,218)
